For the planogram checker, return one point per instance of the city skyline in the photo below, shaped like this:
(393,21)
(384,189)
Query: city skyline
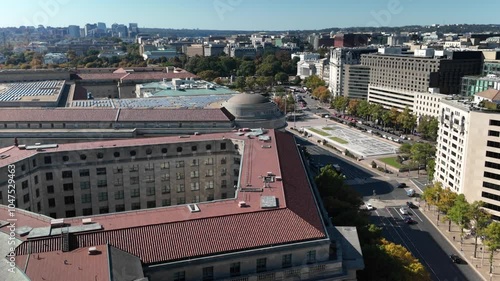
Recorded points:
(249,15)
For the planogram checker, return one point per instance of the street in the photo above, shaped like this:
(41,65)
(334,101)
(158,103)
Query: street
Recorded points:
(422,239)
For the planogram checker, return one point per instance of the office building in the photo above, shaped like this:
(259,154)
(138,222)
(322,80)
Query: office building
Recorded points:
(468,149)
(213,50)
(235,206)
(355,81)
(74,31)
(350,40)
(339,57)
(476,84)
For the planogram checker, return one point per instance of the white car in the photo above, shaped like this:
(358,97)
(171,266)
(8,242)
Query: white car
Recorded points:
(369,131)
(389,138)
(384,136)
(403,211)
(369,206)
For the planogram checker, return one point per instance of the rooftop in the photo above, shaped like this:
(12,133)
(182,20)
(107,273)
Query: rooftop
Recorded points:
(147,233)
(31,91)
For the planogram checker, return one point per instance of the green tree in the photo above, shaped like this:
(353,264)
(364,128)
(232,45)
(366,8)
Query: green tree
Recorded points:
(340,103)
(431,168)
(322,93)
(405,149)
(250,83)
(480,219)
(363,109)
(492,240)
(431,194)
(446,202)
(421,153)
(313,81)
(352,106)
(407,120)
(432,130)
(246,68)
(208,75)
(376,111)
(281,77)
(460,213)
(240,83)
(386,118)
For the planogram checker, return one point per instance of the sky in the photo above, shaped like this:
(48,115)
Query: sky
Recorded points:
(248,14)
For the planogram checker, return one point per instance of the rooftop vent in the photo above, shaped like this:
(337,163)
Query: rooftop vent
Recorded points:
(56,222)
(193,208)
(94,251)
(3,156)
(87,221)
(242,204)
(21,146)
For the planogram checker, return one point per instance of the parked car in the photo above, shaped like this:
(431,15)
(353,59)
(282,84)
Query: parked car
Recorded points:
(403,211)
(409,220)
(369,207)
(402,185)
(456,259)
(410,205)
(369,131)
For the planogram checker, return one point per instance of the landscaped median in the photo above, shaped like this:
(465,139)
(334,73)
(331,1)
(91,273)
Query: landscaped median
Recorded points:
(339,140)
(319,132)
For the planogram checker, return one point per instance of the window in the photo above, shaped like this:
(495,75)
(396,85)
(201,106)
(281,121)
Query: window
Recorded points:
(49,176)
(133,153)
(179,176)
(24,184)
(492,175)
(70,213)
(164,150)
(151,204)
(149,167)
(195,186)
(223,183)
(116,154)
(134,180)
(69,200)
(179,149)
(208,147)
(134,168)
(135,192)
(210,173)
(209,185)
(83,157)
(209,161)
(68,186)
(136,206)
(234,269)
(494,133)
(261,265)
(223,160)
(52,202)
(181,200)
(67,174)
(165,165)
(84,173)
(34,162)
(311,256)
(87,211)
(103,210)
(208,273)
(165,189)
(37,193)
(194,148)
(180,187)
(101,171)
(493,144)
(50,189)
(492,165)
(120,208)
(118,170)
(119,194)
(165,202)
(150,191)
(165,177)
(149,151)
(47,160)
(100,155)
(84,185)
(65,158)
(180,276)
(35,178)
(149,178)
(195,162)
(103,196)
(118,182)
(26,198)
(195,174)
(102,183)
(179,164)
(86,198)
(223,146)
(237,161)
(286,261)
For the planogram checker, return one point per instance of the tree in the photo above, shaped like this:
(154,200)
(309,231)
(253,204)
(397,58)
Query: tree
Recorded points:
(250,83)
(313,81)
(240,83)
(432,130)
(405,149)
(445,202)
(421,153)
(246,68)
(340,103)
(352,106)
(208,75)
(363,109)
(281,77)
(376,111)
(431,168)
(431,194)
(492,240)
(460,213)
(480,219)
(407,120)
(322,93)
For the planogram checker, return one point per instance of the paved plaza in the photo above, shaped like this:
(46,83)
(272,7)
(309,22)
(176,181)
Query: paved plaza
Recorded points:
(358,143)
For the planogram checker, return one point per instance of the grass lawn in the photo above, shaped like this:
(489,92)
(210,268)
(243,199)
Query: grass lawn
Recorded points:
(339,140)
(328,128)
(391,161)
(319,132)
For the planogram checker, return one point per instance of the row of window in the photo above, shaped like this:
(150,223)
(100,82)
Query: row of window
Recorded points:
(235,267)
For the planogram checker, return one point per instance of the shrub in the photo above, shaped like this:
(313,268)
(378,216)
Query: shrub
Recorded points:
(374,165)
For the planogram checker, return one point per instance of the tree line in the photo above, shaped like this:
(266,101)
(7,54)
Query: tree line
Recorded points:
(384,260)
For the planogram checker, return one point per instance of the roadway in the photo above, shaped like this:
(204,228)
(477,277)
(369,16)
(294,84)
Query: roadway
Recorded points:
(422,239)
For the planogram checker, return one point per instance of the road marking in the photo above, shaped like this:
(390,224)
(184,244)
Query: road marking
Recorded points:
(418,216)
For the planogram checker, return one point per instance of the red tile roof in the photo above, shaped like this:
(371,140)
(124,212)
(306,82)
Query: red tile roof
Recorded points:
(74,266)
(221,226)
(109,115)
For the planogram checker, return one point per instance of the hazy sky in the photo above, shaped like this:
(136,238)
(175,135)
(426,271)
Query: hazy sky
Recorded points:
(248,14)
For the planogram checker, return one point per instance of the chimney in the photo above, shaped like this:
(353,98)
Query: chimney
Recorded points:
(15,142)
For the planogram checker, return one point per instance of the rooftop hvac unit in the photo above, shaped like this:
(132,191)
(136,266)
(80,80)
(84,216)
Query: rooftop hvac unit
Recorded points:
(56,222)
(193,208)
(242,204)
(93,251)
(87,221)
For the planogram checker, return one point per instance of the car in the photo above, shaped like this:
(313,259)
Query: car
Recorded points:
(402,185)
(384,136)
(389,138)
(403,211)
(456,259)
(369,131)
(409,220)
(410,205)
(396,140)
(369,206)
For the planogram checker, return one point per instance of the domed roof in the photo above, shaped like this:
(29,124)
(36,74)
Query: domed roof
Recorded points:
(248,99)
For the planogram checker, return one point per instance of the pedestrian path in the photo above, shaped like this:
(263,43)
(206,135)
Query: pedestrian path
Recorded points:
(464,248)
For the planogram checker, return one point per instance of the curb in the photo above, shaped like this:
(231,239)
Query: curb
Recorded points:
(455,247)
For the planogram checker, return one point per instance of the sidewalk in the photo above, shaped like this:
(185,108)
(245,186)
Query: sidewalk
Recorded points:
(466,250)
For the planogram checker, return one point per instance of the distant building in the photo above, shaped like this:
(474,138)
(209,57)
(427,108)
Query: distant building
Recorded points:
(133,29)
(2,58)
(74,31)
(213,50)
(475,84)
(350,40)
(160,52)
(306,56)
(355,81)
(397,40)
(89,29)
(101,26)
(193,50)
(55,58)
